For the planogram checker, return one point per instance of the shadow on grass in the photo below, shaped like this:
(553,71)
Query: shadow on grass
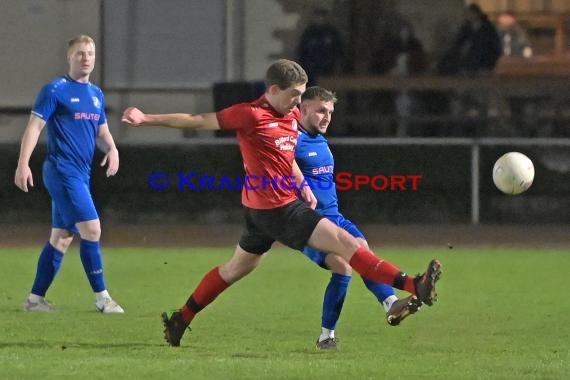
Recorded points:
(73,346)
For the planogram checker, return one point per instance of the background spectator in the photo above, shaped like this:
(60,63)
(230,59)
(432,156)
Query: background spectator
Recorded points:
(513,37)
(320,50)
(399,53)
(477,46)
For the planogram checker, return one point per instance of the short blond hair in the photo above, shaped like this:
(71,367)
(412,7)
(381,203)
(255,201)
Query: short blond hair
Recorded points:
(82,38)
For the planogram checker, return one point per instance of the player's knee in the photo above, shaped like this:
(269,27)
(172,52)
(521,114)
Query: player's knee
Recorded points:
(90,230)
(363,243)
(239,266)
(91,234)
(338,265)
(62,244)
(61,240)
(348,242)
(231,272)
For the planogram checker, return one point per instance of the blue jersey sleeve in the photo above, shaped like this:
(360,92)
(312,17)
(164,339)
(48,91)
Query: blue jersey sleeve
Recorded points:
(102,115)
(46,103)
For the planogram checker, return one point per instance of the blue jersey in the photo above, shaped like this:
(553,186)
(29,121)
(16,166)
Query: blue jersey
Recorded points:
(73,112)
(317,164)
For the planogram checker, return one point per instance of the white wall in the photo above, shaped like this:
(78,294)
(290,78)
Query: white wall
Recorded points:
(164,43)
(261,19)
(34,43)
(435,22)
(35,32)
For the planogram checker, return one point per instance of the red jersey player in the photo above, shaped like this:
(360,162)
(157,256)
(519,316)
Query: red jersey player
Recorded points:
(267,136)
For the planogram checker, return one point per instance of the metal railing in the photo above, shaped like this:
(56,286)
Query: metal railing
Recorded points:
(474,144)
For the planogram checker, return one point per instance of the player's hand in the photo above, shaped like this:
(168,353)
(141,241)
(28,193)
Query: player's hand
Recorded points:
(133,117)
(112,161)
(23,178)
(308,196)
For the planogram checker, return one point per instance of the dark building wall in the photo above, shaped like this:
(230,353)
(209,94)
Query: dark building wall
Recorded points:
(443,193)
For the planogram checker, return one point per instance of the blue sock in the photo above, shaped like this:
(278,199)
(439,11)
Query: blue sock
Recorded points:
(381,291)
(90,253)
(49,263)
(334,299)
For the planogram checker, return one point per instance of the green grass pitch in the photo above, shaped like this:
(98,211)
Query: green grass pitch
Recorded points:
(501,314)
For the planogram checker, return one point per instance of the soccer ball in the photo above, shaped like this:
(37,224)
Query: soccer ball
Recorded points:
(513,173)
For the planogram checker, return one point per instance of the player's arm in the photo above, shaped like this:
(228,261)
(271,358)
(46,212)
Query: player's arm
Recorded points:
(305,190)
(298,174)
(111,158)
(23,176)
(135,117)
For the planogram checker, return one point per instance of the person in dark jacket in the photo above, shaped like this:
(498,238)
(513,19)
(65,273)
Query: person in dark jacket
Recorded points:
(477,46)
(320,50)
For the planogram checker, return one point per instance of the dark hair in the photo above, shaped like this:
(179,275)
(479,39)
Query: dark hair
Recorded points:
(319,92)
(477,10)
(285,73)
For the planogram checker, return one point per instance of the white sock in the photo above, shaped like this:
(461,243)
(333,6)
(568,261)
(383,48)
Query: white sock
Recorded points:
(100,296)
(325,334)
(34,298)
(388,302)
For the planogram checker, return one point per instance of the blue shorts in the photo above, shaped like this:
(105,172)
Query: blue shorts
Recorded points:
(319,257)
(71,200)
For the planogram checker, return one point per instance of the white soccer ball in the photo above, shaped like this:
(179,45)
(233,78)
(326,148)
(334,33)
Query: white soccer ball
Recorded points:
(513,173)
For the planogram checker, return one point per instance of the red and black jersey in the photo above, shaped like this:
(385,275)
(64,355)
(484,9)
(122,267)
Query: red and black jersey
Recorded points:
(267,141)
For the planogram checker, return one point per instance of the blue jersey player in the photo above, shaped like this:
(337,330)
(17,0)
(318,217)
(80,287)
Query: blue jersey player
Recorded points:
(74,111)
(317,164)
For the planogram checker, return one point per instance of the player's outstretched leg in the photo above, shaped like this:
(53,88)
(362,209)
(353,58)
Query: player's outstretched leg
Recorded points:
(401,309)
(210,287)
(425,283)
(396,309)
(376,269)
(174,327)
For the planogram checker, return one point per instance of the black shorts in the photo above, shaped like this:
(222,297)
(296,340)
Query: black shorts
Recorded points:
(291,225)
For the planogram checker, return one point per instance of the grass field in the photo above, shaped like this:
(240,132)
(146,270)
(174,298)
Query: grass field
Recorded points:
(502,314)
